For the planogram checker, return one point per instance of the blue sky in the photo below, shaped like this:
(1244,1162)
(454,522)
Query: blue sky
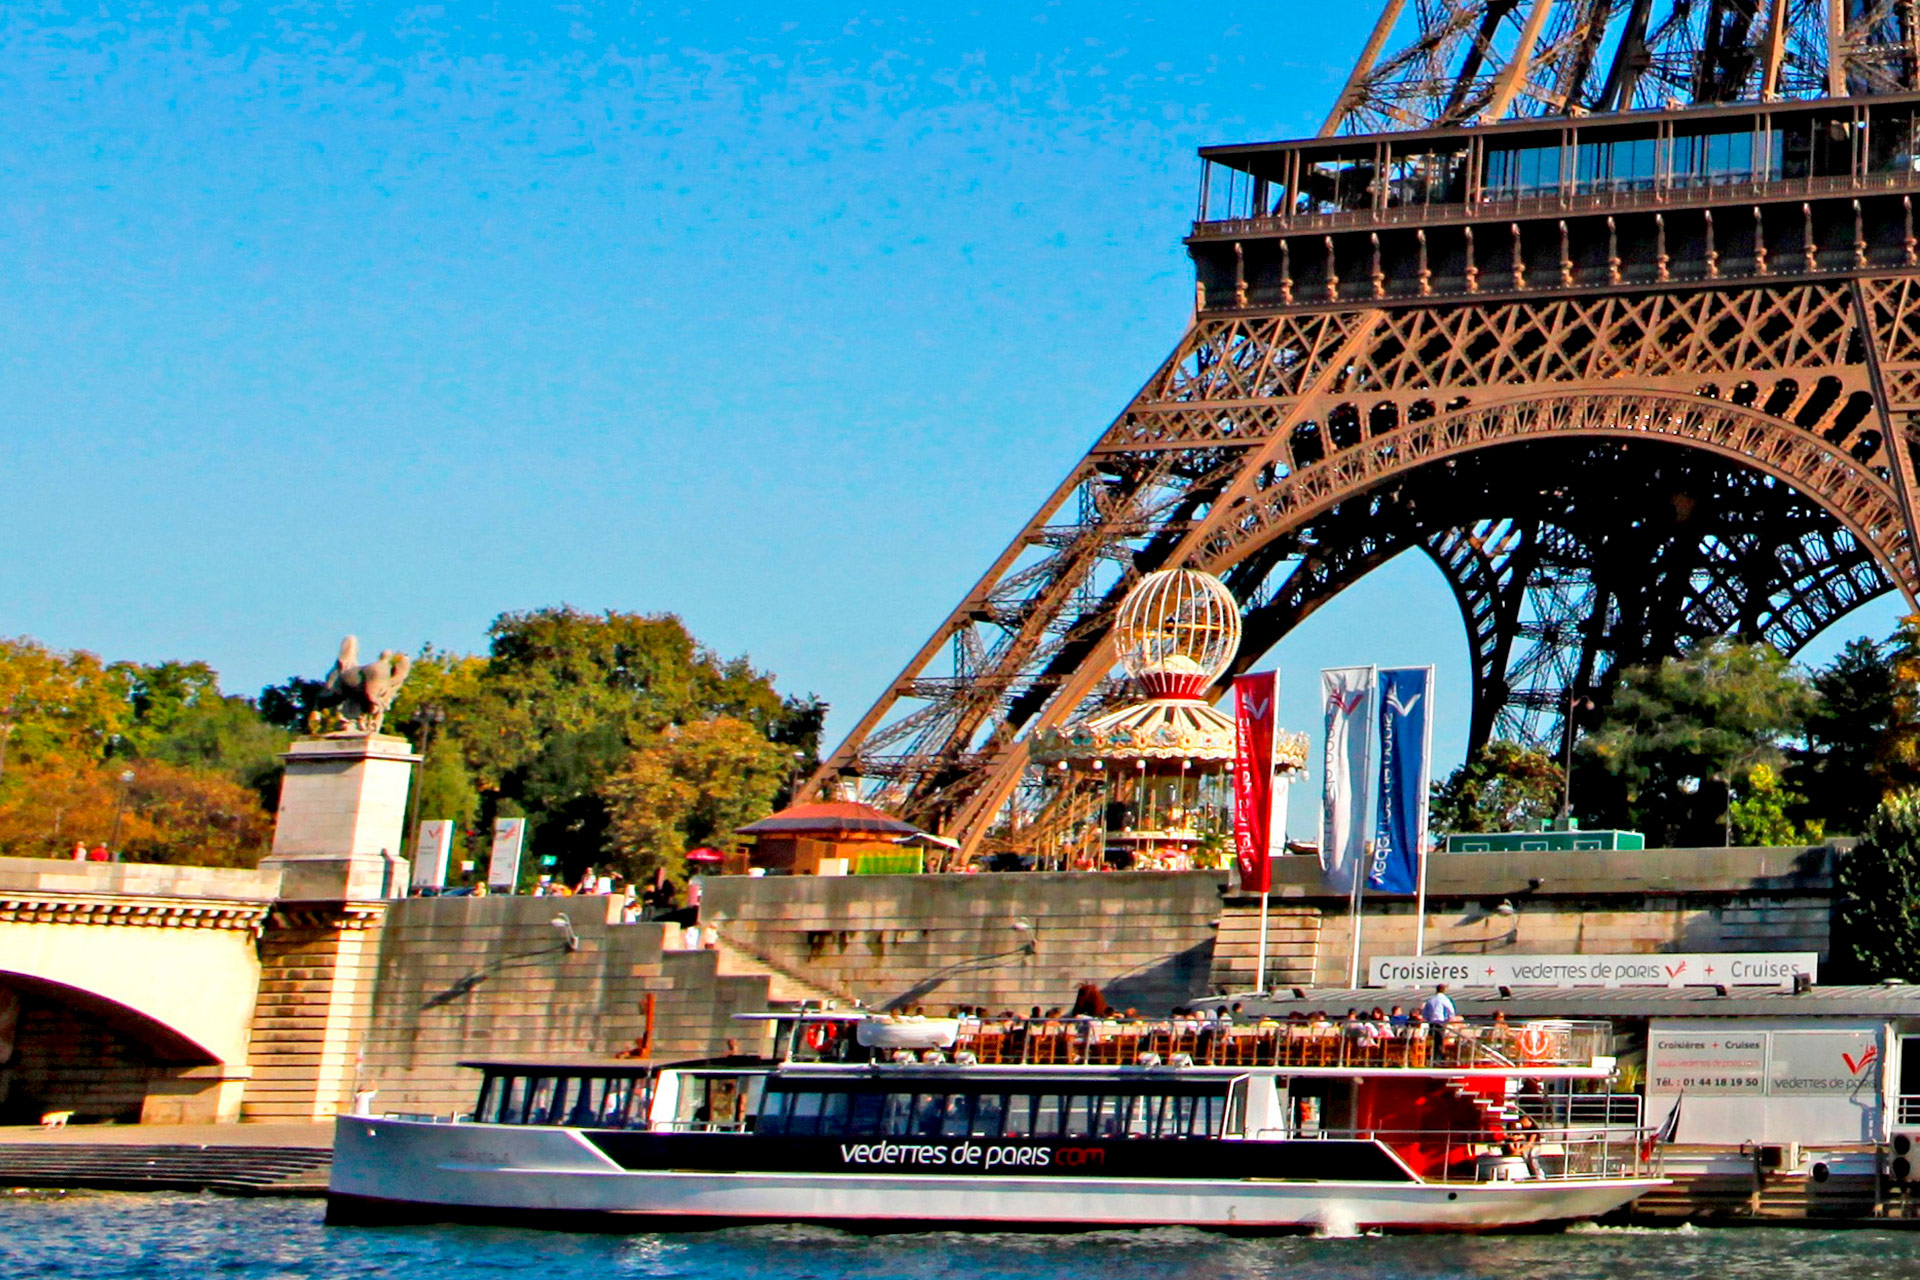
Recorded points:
(387,318)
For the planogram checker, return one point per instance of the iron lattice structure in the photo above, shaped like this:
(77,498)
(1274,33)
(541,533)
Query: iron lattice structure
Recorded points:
(1456,62)
(1628,379)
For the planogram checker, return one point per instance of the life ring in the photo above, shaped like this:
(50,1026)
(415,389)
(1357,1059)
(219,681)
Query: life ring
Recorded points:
(1534,1043)
(821,1035)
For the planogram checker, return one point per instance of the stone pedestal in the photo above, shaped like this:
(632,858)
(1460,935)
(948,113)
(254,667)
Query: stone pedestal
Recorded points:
(343,809)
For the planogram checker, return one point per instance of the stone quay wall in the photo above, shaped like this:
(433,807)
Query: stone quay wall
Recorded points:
(1003,941)
(460,979)
(1153,940)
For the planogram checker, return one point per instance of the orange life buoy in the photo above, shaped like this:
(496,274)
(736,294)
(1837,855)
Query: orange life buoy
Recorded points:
(1534,1043)
(820,1035)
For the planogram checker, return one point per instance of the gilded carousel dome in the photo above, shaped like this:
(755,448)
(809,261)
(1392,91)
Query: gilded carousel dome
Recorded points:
(1176,632)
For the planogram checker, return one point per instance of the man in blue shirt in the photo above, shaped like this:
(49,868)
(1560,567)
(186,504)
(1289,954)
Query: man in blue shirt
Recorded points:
(1438,1011)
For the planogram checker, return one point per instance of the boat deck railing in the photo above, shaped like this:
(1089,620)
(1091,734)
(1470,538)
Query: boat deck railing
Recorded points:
(1512,1155)
(1268,1043)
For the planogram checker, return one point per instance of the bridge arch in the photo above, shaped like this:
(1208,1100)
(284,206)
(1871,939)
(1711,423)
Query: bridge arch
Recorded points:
(64,1048)
(161,988)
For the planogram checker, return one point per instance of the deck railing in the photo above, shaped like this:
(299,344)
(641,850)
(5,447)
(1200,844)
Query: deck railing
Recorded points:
(1549,1154)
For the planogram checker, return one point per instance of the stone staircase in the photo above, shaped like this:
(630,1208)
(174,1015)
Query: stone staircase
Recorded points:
(287,1171)
(1293,944)
(783,985)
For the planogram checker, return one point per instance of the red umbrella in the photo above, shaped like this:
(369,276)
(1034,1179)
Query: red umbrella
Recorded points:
(704,854)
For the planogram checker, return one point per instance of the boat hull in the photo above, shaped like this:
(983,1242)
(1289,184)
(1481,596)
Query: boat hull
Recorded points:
(408,1171)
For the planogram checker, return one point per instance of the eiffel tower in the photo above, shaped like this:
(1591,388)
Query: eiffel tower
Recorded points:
(1611,308)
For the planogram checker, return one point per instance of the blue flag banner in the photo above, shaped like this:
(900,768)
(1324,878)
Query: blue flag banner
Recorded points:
(1400,832)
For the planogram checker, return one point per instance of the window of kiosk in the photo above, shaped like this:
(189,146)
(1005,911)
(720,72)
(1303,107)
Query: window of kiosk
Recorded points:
(1712,159)
(1513,172)
(1907,1111)
(1892,143)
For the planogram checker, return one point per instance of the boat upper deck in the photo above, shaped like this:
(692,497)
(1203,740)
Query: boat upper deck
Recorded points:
(1547,1046)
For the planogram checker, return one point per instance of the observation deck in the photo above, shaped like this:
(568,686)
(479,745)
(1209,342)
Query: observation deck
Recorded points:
(1649,198)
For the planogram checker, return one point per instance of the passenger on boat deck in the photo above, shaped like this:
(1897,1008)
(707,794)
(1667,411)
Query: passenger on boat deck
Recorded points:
(1499,1032)
(1438,1011)
(1399,1018)
(1088,1002)
(1035,1013)
(1382,1027)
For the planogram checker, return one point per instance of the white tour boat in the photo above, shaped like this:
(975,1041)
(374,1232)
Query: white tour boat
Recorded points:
(876,1123)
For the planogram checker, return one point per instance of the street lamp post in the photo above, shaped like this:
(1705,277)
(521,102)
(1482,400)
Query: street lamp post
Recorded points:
(119,812)
(431,716)
(1566,770)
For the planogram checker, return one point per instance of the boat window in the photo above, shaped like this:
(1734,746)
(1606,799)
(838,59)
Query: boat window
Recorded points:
(929,1110)
(897,1118)
(1079,1119)
(987,1112)
(959,1116)
(804,1119)
(833,1115)
(588,1093)
(613,1104)
(540,1100)
(773,1111)
(1046,1115)
(864,1114)
(489,1098)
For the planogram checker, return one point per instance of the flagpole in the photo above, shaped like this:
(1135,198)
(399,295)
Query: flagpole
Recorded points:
(1359,863)
(1426,823)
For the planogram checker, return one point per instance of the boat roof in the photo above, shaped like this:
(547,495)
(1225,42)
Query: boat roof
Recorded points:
(1891,1000)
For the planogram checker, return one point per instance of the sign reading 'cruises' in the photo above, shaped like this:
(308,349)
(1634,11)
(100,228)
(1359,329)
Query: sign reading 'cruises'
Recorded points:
(1696,969)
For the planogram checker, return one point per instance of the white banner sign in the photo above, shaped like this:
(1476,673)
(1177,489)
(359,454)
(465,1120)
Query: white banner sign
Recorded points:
(1823,1063)
(1717,1064)
(1699,969)
(1750,1062)
(503,868)
(431,845)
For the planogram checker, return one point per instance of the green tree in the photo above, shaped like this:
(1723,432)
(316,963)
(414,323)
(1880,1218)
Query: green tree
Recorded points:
(1760,814)
(1848,758)
(1682,733)
(691,785)
(57,704)
(1504,787)
(563,699)
(1877,927)
(180,717)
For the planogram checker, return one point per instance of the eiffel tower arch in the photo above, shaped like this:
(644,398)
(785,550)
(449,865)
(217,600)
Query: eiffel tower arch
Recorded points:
(1611,311)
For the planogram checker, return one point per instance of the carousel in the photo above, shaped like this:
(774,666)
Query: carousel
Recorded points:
(1154,777)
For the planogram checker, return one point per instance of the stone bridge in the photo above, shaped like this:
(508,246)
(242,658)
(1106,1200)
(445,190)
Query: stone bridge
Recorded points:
(128,988)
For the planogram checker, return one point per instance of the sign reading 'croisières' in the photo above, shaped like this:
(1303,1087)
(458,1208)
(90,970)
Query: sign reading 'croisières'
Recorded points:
(1732,969)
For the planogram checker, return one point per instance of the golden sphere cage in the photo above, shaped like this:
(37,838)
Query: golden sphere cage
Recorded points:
(1176,632)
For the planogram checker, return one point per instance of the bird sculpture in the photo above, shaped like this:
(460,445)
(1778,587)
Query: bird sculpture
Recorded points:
(361,695)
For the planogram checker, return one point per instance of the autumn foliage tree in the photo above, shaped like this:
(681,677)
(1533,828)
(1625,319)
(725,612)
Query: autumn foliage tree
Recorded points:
(688,786)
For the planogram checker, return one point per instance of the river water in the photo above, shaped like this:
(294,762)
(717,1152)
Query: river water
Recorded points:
(209,1237)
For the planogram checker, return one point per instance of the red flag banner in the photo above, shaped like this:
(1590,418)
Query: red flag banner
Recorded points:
(1253,720)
